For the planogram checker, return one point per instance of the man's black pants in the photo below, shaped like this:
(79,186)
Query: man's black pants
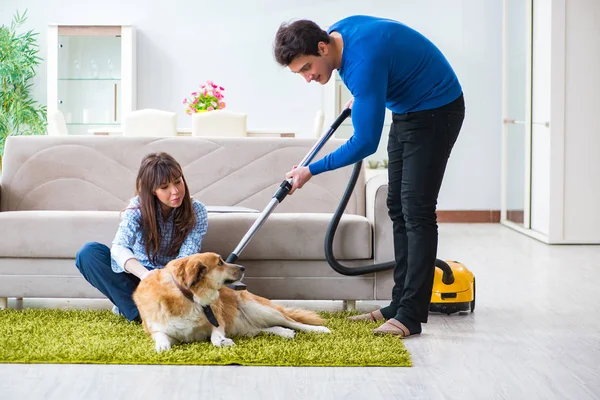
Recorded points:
(418,149)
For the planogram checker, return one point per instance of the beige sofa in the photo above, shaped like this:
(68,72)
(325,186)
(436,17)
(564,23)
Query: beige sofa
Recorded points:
(56,193)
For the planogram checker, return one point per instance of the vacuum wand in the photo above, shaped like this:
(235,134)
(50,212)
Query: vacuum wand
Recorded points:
(281,194)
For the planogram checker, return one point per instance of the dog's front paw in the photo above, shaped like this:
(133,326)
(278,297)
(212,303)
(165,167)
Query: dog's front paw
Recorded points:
(162,341)
(162,344)
(222,342)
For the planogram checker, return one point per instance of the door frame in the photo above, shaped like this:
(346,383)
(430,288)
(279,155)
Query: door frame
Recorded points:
(507,120)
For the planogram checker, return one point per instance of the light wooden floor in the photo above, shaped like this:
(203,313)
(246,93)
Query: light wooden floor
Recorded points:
(534,335)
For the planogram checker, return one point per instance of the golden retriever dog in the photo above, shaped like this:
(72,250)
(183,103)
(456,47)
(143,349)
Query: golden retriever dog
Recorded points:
(172,303)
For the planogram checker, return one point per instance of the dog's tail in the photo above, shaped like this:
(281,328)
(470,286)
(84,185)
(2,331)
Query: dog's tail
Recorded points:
(293,314)
(302,316)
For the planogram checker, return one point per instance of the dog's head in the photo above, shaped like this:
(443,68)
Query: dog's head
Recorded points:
(204,271)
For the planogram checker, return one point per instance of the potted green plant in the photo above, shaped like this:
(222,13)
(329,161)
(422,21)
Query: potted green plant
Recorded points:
(20,114)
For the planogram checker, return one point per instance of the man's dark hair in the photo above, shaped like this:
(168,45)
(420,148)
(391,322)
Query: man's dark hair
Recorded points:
(296,39)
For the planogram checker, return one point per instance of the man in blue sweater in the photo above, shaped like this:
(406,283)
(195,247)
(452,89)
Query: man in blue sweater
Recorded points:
(386,64)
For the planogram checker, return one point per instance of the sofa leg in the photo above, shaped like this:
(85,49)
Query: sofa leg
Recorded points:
(3,303)
(19,303)
(349,305)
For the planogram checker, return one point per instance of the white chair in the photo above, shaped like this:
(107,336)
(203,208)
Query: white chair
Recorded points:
(150,122)
(222,123)
(56,123)
(319,121)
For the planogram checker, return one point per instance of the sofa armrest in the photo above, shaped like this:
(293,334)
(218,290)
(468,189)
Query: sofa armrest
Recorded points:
(377,214)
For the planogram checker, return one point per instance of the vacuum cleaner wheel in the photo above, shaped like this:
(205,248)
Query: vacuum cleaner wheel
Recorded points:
(449,308)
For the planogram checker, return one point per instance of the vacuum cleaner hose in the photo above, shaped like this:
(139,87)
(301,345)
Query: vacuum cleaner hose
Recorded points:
(333,225)
(447,274)
(447,277)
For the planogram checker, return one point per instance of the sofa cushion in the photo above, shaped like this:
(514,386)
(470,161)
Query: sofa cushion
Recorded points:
(299,236)
(289,236)
(54,234)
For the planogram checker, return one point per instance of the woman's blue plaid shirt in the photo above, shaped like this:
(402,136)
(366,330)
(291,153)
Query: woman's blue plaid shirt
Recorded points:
(129,235)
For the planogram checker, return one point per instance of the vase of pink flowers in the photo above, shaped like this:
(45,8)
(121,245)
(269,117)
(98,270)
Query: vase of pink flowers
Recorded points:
(210,97)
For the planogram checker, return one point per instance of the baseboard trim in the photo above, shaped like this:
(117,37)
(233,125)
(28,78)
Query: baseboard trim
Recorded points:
(469,216)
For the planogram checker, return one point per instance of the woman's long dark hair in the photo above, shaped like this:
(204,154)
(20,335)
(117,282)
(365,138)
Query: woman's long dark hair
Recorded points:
(156,170)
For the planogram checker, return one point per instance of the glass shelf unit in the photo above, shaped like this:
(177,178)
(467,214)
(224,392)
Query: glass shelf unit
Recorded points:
(91,74)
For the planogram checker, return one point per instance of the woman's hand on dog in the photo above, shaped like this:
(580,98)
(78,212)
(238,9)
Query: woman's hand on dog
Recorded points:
(133,266)
(147,274)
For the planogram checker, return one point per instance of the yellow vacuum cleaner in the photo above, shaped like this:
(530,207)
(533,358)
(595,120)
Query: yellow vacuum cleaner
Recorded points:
(453,288)
(454,284)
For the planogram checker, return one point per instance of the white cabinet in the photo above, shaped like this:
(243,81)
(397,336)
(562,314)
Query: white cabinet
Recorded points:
(550,134)
(335,96)
(91,75)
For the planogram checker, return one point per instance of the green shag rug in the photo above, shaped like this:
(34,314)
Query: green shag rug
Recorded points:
(100,337)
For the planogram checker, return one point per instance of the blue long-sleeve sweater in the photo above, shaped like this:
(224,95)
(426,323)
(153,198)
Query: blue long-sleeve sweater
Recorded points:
(386,64)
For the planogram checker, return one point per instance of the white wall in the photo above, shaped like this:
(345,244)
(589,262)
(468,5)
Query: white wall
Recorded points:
(181,44)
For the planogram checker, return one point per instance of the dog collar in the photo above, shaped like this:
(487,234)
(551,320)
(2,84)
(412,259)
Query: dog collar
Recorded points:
(208,312)
(210,315)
